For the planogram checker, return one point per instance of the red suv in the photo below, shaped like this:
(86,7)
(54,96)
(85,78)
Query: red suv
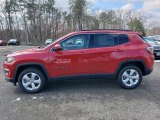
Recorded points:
(109,54)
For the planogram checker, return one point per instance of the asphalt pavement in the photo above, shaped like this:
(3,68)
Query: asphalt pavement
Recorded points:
(81,99)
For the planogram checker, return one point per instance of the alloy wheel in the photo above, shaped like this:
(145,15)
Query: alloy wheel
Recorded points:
(130,77)
(31,81)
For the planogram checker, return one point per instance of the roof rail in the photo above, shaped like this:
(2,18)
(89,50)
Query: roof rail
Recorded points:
(106,29)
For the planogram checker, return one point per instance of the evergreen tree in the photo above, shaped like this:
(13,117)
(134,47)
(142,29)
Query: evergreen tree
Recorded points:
(78,9)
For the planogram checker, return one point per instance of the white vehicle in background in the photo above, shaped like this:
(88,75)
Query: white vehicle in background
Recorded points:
(155,45)
(156,38)
(48,41)
(158,41)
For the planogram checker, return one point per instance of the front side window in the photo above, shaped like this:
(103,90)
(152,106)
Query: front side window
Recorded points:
(105,40)
(76,42)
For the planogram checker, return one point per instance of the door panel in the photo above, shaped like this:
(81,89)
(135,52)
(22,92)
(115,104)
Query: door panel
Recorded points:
(73,59)
(66,63)
(105,54)
(104,60)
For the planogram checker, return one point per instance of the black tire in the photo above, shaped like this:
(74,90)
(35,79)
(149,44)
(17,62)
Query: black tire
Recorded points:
(127,68)
(40,75)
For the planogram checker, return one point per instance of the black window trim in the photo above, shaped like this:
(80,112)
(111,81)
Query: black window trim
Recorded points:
(52,49)
(127,39)
(92,39)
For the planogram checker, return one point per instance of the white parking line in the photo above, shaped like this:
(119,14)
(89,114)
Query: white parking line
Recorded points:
(157,61)
(2,48)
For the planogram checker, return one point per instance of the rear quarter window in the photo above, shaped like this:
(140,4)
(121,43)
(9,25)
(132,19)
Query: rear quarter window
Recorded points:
(123,39)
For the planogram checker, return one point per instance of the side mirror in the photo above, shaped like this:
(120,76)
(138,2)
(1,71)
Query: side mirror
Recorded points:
(57,47)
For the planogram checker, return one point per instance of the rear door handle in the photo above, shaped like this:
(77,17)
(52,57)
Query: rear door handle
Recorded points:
(119,50)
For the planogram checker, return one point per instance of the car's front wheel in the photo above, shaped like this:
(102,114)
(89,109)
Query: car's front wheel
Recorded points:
(130,77)
(31,80)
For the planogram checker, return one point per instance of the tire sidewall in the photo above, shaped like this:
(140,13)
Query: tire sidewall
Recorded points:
(125,69)
(39,73)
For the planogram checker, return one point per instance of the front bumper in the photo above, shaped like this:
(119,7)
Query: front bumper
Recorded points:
(9,72)
(9,79)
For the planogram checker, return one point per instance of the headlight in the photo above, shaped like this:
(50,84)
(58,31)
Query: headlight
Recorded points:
(9,59)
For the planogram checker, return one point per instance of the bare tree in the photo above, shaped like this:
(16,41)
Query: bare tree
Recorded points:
(34,21)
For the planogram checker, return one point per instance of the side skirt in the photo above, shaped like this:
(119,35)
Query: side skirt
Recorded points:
(93,76)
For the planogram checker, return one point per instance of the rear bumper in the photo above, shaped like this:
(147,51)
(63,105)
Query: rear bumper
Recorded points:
(148,71)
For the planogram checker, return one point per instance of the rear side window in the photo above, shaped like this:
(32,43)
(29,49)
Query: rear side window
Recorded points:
(105,40)
(123,39)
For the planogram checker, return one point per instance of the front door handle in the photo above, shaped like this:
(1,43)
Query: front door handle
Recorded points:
(82,52)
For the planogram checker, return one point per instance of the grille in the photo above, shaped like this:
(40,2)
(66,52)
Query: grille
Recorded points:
(156,47)
(156,51)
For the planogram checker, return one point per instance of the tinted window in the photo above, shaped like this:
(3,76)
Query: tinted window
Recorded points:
(123,39)
(105,40)
(76,42)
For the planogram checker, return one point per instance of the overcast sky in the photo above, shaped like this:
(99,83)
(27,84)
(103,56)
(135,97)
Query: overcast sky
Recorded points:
(115,4)
(151,8)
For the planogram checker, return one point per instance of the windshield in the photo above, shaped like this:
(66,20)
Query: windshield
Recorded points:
(149,40)
(13,40)
(49,40)
(157,37)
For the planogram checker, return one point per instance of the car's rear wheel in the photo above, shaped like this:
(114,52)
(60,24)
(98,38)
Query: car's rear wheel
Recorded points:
(31,80)
(130,77)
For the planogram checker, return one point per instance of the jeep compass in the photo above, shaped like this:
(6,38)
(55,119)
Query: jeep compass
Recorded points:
(105,54)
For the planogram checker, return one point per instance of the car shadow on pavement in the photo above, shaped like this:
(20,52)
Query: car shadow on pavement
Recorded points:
(87,89)
(82,84)
(78,85)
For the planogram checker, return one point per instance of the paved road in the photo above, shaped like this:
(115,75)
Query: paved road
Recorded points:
(81,99)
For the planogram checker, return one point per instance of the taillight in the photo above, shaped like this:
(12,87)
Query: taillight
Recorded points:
(150,49)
